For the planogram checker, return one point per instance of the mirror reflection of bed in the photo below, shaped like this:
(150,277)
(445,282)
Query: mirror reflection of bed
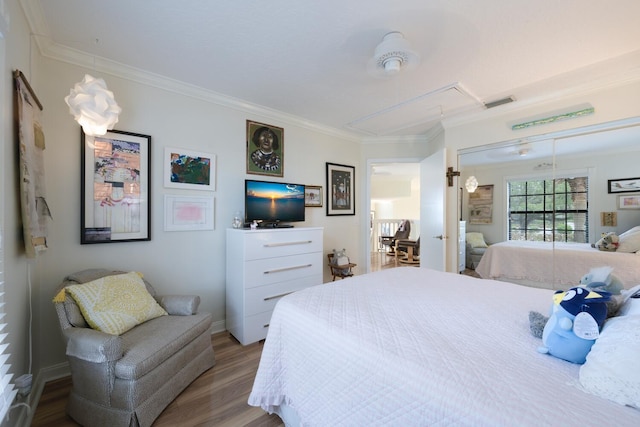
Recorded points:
(599,153)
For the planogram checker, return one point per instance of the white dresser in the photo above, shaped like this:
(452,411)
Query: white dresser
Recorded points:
(263,266)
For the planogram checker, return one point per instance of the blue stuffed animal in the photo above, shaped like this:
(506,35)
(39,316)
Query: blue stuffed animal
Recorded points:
(601,279)
(578,315)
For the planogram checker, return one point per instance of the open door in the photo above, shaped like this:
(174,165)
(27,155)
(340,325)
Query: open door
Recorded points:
(432,213)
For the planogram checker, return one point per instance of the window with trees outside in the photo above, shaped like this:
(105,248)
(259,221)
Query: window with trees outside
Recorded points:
(550,210)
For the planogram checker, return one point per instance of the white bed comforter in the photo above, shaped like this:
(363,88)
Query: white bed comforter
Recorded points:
(416,347)
(554,266)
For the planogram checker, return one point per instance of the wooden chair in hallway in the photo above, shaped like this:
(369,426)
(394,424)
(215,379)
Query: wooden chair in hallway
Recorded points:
(340,271)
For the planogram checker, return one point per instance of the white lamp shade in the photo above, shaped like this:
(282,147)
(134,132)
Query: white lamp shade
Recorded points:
(471,184)
(93,106)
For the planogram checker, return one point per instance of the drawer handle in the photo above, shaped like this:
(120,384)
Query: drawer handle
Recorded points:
(273,245)
(295,267)
(278,296)
(265,326)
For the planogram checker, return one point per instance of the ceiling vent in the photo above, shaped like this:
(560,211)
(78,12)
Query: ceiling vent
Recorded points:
(497,102)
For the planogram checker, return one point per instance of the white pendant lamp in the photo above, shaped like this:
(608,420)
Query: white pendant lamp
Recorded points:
(93,106)
(392,55)
(471,184)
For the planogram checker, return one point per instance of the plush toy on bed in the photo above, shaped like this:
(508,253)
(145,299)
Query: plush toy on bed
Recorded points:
(609,242)
(578,315)
(602,279)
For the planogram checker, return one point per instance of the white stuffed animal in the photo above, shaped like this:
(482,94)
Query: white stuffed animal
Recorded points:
(609,242)
(600,278)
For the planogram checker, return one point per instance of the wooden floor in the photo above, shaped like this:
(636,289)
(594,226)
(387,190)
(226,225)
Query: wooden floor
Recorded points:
(216,398)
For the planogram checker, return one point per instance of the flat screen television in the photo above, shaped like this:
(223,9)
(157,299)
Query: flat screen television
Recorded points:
(273,204)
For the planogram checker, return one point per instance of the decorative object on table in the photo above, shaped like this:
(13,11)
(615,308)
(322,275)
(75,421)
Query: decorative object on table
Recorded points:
(313,196)
(340,189)
(116,194)
(93,106)
(481,205)
(188,213)
(578,315)
(237,220)
(624,185)
(33,201)
(188,169)
(628,202)
(265,149)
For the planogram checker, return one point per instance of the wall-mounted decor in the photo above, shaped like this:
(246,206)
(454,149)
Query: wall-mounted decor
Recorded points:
(340,189)
(628,202)
(188,213)
(608,219)
(115,183)
(33,201)
(265,149)
(481,205)
(189,169)
(313,196)
(626,185)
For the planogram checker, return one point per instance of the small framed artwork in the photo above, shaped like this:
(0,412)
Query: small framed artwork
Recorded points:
(115,187)
(627,185)
(265,149)
(629,202)
(313,196)
(188,213)
(189,169)
(340,189)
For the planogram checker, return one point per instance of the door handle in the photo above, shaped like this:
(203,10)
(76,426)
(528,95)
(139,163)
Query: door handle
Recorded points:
(441,237)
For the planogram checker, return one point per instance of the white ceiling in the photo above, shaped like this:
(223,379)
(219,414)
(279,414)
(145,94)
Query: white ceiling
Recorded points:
(308,59)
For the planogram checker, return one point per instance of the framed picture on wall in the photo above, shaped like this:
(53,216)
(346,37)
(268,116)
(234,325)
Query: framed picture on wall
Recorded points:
(626,185)
(628,202)
(340,189)
(115,186)
(189,170)
(265,149)
(313,196)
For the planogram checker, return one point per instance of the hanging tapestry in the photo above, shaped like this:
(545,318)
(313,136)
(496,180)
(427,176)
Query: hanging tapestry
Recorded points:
(35,210)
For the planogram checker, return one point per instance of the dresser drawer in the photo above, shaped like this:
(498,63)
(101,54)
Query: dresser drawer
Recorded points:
(264,298)
(281,243)
(262,272)
(256,327)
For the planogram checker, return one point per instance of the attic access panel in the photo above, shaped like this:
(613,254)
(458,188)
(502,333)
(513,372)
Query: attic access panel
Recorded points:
(426,108)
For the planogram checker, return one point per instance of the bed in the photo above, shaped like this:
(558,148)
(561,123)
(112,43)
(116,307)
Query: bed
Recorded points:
(417,347)
(553,266)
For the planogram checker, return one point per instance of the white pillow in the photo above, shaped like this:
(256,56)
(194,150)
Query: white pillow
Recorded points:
(635,229)
(629,241)
(611,367)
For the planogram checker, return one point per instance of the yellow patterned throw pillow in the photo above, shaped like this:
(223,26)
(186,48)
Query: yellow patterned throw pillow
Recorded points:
(115,304)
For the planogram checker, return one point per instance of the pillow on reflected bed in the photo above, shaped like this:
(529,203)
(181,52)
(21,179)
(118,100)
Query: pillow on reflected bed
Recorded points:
(630,240)
(611,367)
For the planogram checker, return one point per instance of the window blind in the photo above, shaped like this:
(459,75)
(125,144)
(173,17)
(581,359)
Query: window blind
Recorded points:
(7,390)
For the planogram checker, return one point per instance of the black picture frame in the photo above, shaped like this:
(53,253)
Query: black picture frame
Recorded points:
(341,182)
(115,188)
(623,185)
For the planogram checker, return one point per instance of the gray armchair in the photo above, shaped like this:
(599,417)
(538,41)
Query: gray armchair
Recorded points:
(129,379)
(403,232)
(475,247)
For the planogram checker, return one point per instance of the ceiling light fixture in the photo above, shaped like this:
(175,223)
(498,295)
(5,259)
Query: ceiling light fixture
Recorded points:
(392,55)
(93,106)
(471,184)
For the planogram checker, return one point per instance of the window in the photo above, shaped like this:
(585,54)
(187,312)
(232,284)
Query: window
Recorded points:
(549,209)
